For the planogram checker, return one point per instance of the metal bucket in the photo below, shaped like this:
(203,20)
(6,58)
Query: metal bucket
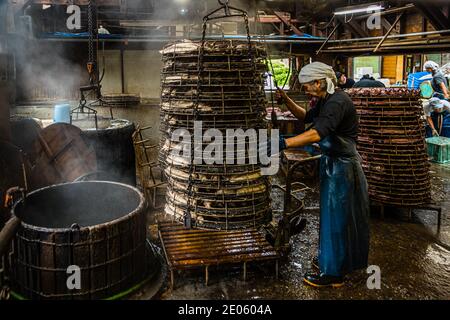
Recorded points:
(113,145)
(98,227)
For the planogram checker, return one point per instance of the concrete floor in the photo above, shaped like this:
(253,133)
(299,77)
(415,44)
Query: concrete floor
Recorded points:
(413,259)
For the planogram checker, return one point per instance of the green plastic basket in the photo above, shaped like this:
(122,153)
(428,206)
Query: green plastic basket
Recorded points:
(439,149)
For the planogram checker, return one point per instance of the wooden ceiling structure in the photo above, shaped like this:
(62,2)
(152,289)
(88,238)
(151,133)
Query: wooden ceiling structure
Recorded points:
(405,26)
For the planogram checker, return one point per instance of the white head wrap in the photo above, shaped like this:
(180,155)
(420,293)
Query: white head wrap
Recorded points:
(431,65)
(318,71)
(437,104)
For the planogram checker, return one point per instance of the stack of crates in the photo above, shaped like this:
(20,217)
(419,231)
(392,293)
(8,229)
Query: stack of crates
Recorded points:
(439,149)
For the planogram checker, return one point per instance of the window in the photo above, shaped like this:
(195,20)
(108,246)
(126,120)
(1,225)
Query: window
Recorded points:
(434,57)
(366,65)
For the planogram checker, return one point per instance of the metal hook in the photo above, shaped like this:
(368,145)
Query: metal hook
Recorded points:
(225,6)
(75,227)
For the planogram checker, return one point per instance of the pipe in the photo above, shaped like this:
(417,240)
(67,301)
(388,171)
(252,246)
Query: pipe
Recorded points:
(395,44)
(7,234)
(395,36)
(260,38)
(369,49)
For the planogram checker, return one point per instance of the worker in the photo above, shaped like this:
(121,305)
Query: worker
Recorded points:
(439,82)
(102,30)
(343,81)
(438,118)
(344,202)
(368,81)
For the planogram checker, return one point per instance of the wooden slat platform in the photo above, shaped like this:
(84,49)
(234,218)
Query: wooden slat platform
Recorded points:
(193,248)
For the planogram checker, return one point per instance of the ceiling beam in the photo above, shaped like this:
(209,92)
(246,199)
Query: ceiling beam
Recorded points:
(388,11)
(385,23)
(76,2)
(435,16)
(336,27)
(388,33)
(354,27)
(288,23)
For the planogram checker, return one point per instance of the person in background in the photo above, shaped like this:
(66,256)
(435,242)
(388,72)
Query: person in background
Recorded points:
(439,82)
(368,82)
(344,200)
(438,118)
(343,81)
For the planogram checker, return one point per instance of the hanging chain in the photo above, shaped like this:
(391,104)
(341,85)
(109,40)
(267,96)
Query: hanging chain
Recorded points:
(188,214)
(91,33)
(269,64)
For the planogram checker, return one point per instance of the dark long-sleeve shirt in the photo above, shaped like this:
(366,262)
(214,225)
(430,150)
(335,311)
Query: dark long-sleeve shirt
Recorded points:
(438,78)
(369,83)
(336,115)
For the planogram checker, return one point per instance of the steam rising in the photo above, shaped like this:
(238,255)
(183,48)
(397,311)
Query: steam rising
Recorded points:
(44,71)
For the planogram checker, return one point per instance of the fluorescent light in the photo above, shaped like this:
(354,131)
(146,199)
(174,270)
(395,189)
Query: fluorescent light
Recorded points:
(45,6)
(360,10)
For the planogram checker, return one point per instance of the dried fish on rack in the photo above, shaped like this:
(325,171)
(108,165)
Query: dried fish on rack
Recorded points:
(226,92)
(391,143)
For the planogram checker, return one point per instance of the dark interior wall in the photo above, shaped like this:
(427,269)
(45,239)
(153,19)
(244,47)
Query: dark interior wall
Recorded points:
(5,130)
(55,70)
(3,17)
(49,70)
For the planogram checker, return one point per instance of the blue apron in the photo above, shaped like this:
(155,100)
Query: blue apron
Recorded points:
(344,208)
(442,125)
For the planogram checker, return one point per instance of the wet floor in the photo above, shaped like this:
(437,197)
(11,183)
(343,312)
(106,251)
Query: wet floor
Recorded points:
(413,259)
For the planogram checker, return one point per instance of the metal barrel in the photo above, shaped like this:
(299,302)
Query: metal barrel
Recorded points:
(94,232)
(114,149)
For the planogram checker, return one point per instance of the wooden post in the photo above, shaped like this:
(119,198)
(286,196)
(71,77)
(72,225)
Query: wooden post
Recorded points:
(122,67)
(388,33)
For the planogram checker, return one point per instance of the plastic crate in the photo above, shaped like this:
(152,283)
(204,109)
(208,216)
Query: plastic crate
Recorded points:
(439,149)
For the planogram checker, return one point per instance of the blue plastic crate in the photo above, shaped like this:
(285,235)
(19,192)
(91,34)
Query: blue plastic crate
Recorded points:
(439,149)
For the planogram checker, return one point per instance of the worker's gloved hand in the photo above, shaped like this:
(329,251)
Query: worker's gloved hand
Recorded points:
(435,133)
(281,146)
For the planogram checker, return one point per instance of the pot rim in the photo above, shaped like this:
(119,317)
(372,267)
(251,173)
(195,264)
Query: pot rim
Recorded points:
(126,123)
(141,207)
